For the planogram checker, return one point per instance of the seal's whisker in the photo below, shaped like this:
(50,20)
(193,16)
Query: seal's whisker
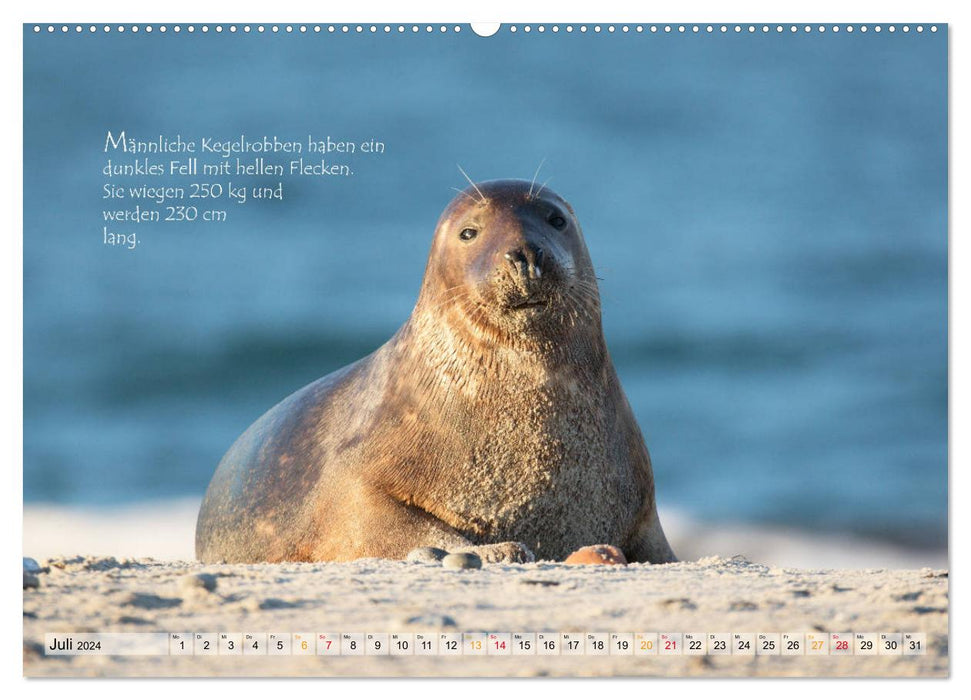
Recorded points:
(575,307)
(580,281)
(442,292)
(442,298)
(450,300)
(479,312)
(592,295)
(449,289)
(588,282)
(578,306)
(464,193)
(457,298)
(479,315)
(585,295)
(529,195)
(472,183)
(542,187)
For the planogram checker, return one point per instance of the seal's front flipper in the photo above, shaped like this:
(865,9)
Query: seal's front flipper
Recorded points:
(502,553)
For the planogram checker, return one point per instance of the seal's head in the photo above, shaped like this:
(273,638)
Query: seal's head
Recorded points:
(509,261)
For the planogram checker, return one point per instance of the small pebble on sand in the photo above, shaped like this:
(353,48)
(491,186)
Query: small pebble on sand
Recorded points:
(427,555)
(462,560)
(430,620)
(198,582)
(31,566)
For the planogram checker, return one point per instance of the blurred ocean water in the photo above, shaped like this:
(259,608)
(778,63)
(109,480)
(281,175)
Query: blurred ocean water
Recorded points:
(768,214)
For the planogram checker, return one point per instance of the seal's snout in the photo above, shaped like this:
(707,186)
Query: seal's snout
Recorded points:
(526,261)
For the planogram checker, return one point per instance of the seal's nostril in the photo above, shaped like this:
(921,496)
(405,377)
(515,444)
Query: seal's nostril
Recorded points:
(534,259)
(527,261)
(516,257)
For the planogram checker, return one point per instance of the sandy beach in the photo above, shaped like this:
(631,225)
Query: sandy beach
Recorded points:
(715,593)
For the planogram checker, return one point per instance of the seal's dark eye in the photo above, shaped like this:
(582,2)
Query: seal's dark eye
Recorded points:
(557,221)
(468,234)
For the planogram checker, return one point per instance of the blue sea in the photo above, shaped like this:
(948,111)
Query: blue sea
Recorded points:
(767,212)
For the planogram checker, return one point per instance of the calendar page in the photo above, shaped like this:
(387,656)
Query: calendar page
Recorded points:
(376,349)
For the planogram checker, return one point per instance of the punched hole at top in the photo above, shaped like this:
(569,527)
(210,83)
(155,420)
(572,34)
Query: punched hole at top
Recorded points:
(485,28)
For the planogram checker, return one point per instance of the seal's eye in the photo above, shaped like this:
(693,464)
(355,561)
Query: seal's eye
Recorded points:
(557,222)
(468,234)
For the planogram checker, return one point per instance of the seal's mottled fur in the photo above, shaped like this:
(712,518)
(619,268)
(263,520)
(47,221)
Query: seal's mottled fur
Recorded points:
(492,417)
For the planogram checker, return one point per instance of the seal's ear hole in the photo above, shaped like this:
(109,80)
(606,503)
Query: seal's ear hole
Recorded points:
(468,234)
(557,221)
